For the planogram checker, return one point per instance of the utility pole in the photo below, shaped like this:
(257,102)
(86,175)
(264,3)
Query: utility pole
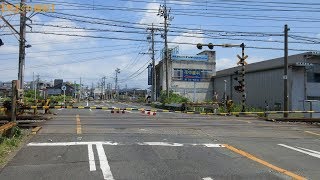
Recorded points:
(75,89)
(285,76)
(163,11)
(110,91)
(22,42)
(116,81)
(36,87)
(15,87)
(103,87)
(126,90)
(80,89)
(153,88)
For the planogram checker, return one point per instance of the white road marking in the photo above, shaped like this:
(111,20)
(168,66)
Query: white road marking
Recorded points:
(104,165)
(161,144)
(90,110)
(303,150)
(312,133)
(72,143)
(212,145)
(316,152)
(92,163)
(207,178)
(115,143)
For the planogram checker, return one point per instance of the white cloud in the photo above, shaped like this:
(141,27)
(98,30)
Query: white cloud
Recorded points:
(150,16)
(225,63)
(90,70)
(184,3)
(193,37)
(50,37)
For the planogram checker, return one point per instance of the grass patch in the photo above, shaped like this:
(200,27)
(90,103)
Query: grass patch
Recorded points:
(7,145)
(291,115)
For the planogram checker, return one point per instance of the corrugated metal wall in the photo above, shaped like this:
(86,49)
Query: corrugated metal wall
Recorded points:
(260,86)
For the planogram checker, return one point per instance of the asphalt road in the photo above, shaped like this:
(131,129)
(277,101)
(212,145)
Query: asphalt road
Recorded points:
(97,144)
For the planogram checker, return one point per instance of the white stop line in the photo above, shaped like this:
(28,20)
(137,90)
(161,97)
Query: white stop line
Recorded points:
(103,160)
(303,150)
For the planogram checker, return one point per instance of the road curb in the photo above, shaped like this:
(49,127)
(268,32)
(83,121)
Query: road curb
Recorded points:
(35,130)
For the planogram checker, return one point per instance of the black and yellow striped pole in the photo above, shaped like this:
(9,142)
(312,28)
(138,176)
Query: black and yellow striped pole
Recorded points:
(243,63)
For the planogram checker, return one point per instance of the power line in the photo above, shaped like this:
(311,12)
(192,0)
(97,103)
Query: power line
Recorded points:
(55,55)
(131,39)
(73,49)
(71,62)
(221,15)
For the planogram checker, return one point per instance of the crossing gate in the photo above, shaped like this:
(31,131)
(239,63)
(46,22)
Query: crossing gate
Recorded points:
(121,110)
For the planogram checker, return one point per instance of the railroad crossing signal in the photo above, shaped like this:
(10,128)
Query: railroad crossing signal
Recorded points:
(210,45)
(239,88)
(242,60)
(240,74)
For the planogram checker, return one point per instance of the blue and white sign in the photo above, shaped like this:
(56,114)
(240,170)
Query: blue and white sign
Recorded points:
(191,75)
(176,57)
(150,72)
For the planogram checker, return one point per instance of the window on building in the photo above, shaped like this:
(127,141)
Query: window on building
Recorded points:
(177,74)
(313,74)
(206,75)
(313,98)
(313,77)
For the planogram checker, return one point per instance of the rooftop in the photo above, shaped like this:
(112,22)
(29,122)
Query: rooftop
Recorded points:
(268,64)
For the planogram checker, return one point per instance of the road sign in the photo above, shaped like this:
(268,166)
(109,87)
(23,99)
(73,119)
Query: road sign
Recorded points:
(63,88)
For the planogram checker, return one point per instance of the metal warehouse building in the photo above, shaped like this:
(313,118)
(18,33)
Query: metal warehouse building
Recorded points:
(264,81)
(189,75)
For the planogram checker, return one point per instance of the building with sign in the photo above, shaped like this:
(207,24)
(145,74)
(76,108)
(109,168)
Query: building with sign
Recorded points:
(189,75)
(264,82)
(57,90)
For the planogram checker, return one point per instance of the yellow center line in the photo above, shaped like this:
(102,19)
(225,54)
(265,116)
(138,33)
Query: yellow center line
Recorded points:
(79,130)
(265,163)
(310,132)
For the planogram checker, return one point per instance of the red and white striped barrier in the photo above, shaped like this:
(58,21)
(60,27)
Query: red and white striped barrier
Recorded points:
(148,112)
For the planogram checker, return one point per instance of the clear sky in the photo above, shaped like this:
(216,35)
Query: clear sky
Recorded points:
(116,36)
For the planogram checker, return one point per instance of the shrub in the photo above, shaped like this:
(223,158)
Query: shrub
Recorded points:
(173,98)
